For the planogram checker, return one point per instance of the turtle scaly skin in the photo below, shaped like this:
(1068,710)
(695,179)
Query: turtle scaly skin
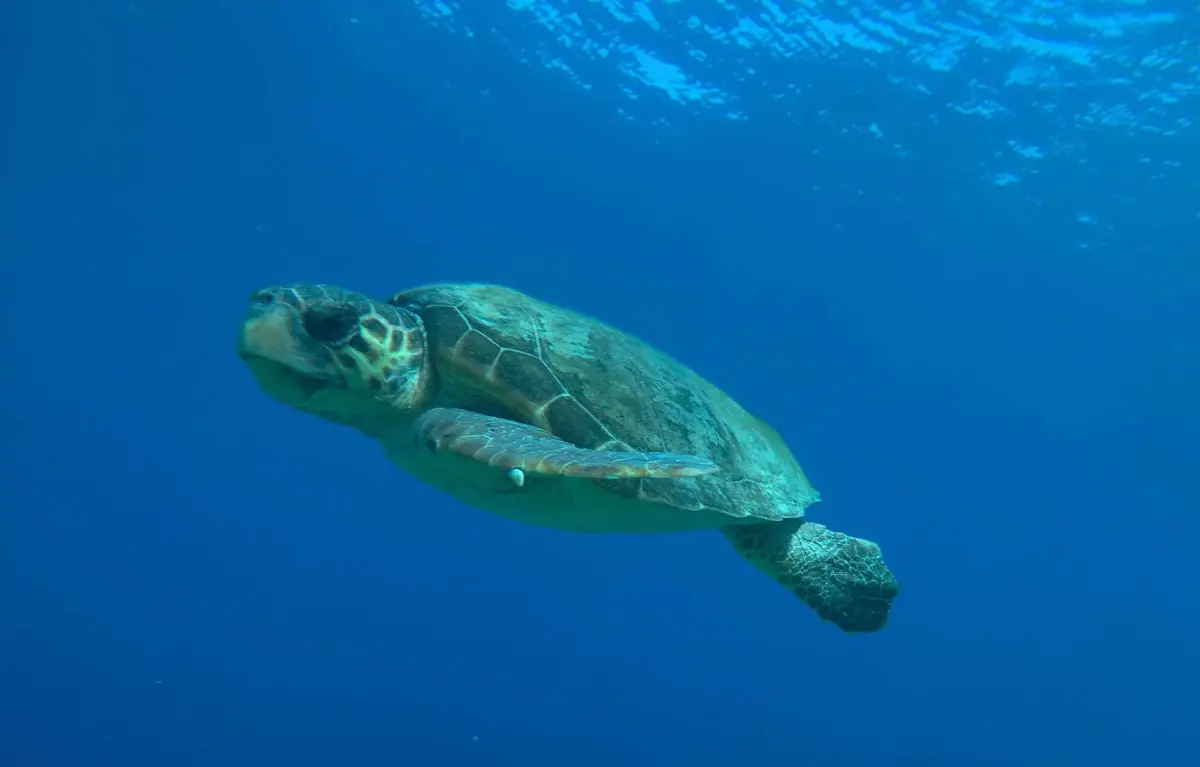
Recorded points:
(521,447)
(549,417)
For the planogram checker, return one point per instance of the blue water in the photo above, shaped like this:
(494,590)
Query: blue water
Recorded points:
(949,252)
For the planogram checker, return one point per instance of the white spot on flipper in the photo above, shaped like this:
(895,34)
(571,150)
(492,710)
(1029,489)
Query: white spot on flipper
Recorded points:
(517,476)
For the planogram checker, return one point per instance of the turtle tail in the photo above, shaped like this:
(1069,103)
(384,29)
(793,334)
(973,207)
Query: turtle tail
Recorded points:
(843,578)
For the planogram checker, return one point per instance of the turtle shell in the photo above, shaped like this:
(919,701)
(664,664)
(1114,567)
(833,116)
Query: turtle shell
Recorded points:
(500,352)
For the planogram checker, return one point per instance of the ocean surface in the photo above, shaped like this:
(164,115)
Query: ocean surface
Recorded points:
(948,250)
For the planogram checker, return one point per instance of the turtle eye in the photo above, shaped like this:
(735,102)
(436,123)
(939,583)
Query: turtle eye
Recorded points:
(329,324)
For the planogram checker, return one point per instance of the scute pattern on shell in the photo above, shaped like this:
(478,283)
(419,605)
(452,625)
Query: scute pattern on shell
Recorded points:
(500,352)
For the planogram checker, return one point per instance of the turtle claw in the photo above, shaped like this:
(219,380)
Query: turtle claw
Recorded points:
(517,476)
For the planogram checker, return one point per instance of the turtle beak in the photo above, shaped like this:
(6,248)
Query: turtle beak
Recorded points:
(272,331)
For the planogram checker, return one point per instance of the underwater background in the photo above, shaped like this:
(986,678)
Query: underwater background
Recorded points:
(947,250)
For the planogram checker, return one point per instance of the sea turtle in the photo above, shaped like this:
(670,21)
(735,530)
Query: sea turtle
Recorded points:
(546,416)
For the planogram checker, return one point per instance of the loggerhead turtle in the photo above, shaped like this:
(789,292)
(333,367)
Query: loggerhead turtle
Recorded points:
(549,417)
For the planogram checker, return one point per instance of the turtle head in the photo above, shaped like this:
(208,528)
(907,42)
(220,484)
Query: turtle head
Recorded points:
(337,354)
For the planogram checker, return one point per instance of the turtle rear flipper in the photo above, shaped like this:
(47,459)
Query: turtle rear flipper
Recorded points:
(841,577)
(518,447)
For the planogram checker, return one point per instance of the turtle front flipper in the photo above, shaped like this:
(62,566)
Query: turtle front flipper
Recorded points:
(520,448)
(841,577)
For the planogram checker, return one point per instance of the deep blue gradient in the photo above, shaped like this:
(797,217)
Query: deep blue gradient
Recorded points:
(190,574)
